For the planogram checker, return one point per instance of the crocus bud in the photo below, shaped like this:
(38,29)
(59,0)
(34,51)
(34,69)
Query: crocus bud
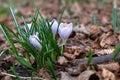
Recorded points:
(34,40)
(65,31)
(54,26)
(29,25)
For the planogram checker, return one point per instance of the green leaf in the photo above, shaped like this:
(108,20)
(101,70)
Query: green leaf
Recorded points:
(9,39)
(29,48)
(50,66)
(114,19)
(116,52)
(60,18)
(12,32)
(16,23)
(34,21)
(24,63)
(20,31)
(26,26)
(94,21)
(114,4)
(15,73)
(89,57)
(3,51)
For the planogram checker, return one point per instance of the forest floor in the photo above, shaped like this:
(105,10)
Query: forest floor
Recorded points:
(92,30)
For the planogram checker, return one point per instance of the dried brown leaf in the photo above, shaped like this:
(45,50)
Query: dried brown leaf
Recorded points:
(66,76)
(110,66)
(62,60)
(108,40)
(95,31)
(105,51)
(69,56)
(106,74)
(44,74)
(89,75)
(7,78)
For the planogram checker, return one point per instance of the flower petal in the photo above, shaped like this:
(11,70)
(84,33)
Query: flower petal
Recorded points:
(34,40)
(70,25)
(29,25)
(54,27)
(65,30)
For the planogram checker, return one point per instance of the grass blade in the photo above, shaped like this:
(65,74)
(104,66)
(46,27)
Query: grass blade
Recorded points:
(50,66)
(24,63)
(15,73)
(89,57)
(9,39)
(116,52)
(114,19)
(16,23)
(94,21)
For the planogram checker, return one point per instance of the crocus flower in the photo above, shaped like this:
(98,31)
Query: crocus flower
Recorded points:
(65,31)
(54,26)
(29,26)
(34,40)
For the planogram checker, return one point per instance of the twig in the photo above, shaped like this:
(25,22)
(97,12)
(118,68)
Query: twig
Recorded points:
(25,78)
(97,60)
(78,65)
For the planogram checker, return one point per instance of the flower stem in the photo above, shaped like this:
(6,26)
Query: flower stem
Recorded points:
(63,49)
(63,46)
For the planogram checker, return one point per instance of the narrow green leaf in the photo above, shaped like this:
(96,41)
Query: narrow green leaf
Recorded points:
(94,21)
(2,52)
(34,21)
(29,48)
(89,57)
(114,4)
(9,39)
(15,73)
(26,26)
(114,19)
(24,63)
(50,66)
(116,52)
(11,31)
(16,23)
(60,18)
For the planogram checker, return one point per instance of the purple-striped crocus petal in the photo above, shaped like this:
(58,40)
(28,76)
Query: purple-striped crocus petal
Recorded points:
(34,40)
(65,30)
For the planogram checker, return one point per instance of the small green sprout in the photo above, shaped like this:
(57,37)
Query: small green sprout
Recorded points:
(116,52)
(89,56)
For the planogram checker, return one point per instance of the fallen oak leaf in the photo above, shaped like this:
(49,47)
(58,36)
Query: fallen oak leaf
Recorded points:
(89,75)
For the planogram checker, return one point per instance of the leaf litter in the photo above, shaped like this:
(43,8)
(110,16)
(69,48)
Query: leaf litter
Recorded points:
(85,36)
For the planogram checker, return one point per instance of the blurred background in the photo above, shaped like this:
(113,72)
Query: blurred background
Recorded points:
(85,12)
(77,11)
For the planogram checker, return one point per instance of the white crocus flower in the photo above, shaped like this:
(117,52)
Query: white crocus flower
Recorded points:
(29,26)
(65,31)
(34,40)
(54,26)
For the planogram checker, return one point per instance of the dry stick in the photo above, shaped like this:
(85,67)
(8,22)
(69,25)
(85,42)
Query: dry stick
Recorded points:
(28,78)
(77,65)
(97,60)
